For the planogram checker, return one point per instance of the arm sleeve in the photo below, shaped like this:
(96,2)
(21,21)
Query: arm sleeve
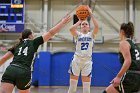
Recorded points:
(38,41)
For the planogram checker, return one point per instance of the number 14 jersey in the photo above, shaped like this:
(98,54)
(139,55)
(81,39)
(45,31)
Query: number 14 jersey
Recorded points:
(24,52)
(84,44)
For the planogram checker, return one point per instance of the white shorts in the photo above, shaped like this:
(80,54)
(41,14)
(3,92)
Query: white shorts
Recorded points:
(80,65)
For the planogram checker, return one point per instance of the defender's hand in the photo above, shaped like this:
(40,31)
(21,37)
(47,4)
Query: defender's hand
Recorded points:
(66,19)
(116,81)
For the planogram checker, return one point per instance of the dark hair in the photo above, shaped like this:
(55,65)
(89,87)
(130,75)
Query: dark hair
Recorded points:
(25,34)
(128,29)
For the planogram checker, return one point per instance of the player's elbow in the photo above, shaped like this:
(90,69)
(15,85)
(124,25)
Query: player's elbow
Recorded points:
(2,60)
(71,29)
(96,30)
(128,61)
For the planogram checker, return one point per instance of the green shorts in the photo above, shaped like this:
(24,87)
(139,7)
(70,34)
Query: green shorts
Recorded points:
(17,76)
(130,83)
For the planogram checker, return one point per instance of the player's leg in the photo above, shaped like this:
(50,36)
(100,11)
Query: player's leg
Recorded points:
(23,81)
(24,91)
(110,89)
(74,75)
(86,80)
(8,80)
(73,84)
(86,76)
(122,88)
(6,87)
(127,84)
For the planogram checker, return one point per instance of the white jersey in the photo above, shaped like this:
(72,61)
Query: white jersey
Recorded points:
(84,44)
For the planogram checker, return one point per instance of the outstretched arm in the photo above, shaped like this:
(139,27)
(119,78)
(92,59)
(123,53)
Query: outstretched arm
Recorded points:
(74,27)
(125,50)
(46,36)
(96,27)
(6,57)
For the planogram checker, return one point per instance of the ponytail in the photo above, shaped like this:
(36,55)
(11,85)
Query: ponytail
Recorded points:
(128,29)
(25,34)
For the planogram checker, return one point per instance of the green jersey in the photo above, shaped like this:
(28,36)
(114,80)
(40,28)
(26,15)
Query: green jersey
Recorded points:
(24,52)
(135,56)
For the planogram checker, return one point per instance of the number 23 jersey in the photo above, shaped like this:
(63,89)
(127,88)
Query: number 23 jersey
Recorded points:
(84,44)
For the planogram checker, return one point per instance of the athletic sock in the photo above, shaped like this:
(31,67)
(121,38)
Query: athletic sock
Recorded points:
(73,86)
(86,87)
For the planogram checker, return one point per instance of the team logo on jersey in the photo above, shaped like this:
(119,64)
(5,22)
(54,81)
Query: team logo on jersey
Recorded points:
(85,39)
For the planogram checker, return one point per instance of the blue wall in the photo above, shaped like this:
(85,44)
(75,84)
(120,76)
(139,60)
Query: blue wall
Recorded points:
(52,69)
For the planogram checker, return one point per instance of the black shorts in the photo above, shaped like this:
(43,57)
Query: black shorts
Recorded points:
(17,76)
(130,83)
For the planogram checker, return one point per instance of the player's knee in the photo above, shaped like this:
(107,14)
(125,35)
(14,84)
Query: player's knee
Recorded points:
(104,91)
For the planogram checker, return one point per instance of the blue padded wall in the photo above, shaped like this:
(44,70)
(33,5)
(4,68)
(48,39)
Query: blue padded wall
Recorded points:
(44,68)
(105,68)
(60,65)
(53,68)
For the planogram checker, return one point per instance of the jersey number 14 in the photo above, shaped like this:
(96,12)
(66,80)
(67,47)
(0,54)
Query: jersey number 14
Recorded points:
(23,51)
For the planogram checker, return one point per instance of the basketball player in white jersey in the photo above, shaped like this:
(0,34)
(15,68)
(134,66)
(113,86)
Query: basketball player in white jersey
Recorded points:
(82,61)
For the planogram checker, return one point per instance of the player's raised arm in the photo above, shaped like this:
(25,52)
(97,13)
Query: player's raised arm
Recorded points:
(96,27)
(74,27)
(7,56)
(46,36)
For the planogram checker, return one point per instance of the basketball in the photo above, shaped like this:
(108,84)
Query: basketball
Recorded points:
(82,12)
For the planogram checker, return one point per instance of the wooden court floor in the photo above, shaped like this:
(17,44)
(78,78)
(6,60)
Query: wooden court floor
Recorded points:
(61,90)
